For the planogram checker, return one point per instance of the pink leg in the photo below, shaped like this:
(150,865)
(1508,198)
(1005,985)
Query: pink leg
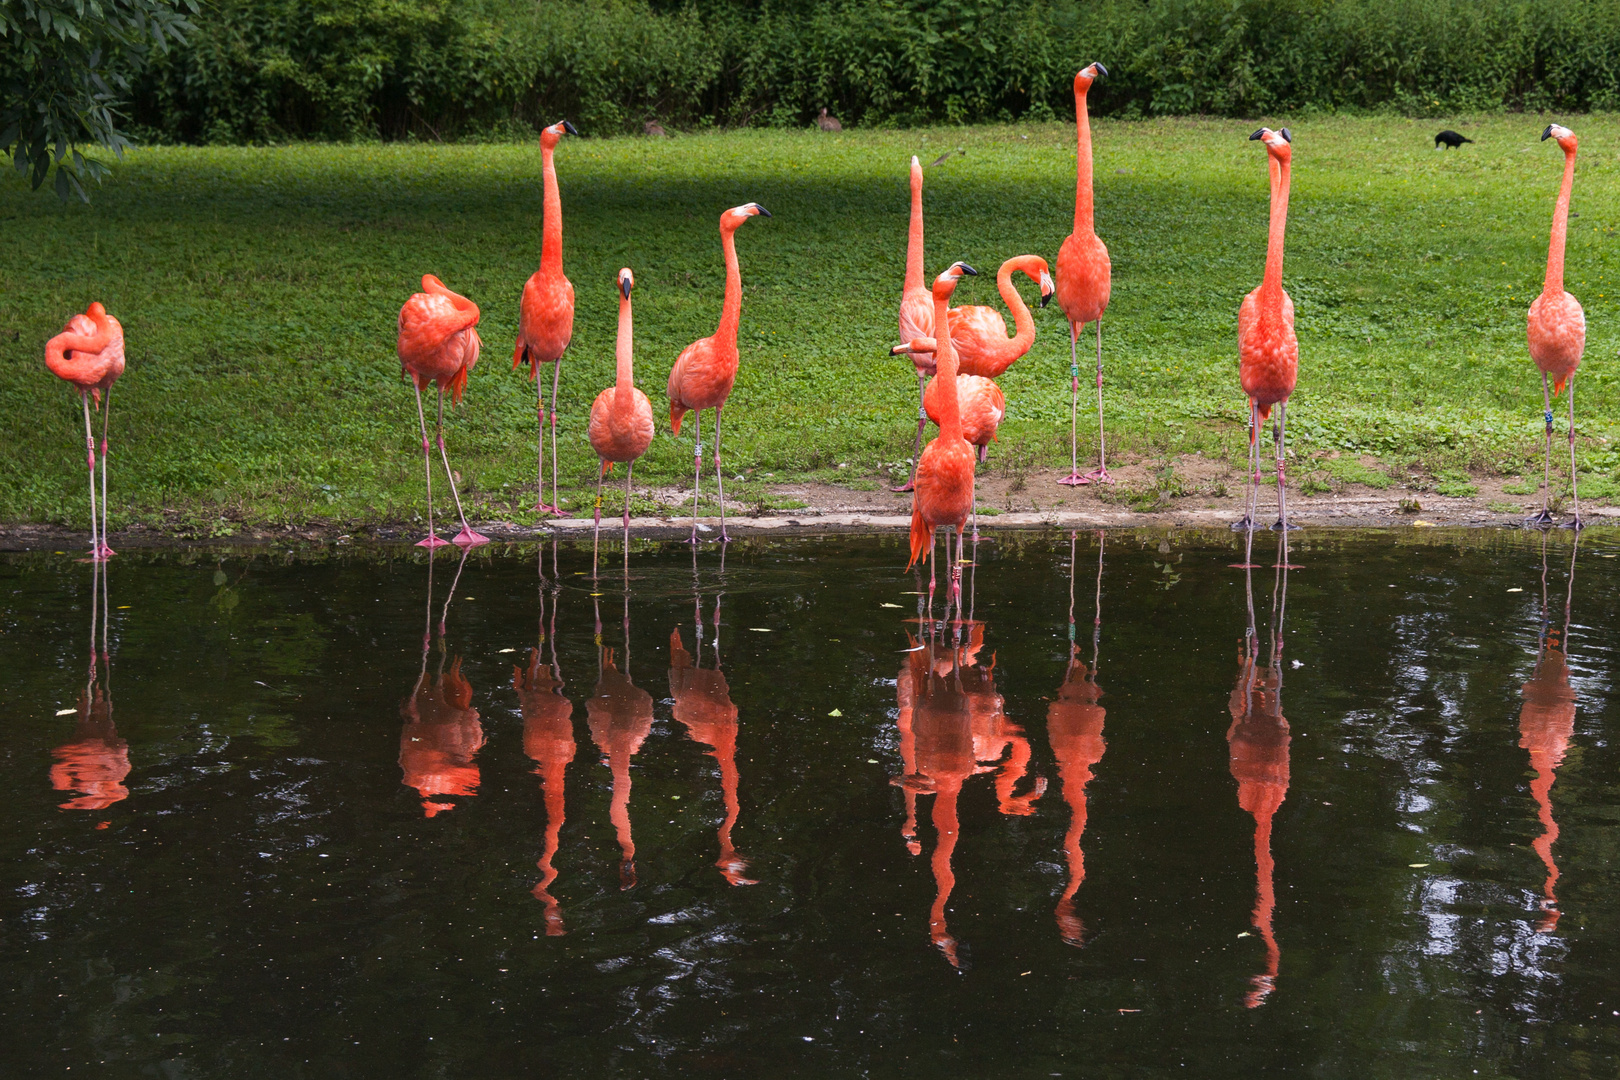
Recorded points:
(432,540)
(922,423)
(719,477)
(106,420)
(1074,479)
(596,534)
(556,375)
(90,454)
(541,506)
(466,537)
(1099,475)
(697,469)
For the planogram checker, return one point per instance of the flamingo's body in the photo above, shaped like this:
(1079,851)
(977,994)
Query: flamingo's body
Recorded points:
(89,353)
(438,344)
(983,346)
(546,313)
(1557,327)
(548,740)
(703,704)
(621,717)
(981,404)
(1268,351)
(621,426)
(706,370)
(1084,280)
(439,743)
(944,483)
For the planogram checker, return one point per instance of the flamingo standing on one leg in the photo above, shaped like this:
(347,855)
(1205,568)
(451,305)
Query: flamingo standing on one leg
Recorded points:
(1084,276)
(621,426)
(706,369)
(546,317)
(89,353)
(438,343)
(944,482)
(1557,331)
(1267,348)
(916,312)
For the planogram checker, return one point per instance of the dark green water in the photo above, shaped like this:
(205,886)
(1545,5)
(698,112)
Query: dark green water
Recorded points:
(291,853)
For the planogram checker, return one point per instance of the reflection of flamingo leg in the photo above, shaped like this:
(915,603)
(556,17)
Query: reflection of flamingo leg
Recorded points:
(730,863)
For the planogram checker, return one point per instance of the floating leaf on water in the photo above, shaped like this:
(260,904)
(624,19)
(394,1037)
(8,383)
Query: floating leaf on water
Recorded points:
(508,650)
(66,712)
(1515,590)
(761,629)
(1417,865)
(836,712)
(889,605)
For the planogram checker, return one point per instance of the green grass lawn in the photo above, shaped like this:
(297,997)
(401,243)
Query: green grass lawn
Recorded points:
(259,290)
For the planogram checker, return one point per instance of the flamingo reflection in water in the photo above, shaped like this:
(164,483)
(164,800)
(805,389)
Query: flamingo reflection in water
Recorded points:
(95,762)
(953,725)
(703,703)
(1546,724)
(1258,746)
(548,739)
(1074,724)
(621,718)
(442,736)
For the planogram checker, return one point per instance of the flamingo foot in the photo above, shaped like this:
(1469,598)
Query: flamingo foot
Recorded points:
(547,508)
(1245,566)
(724,538)
(1543,520)
(1284,526)
(467,538)
(1574,523)
(103,552)
(1095,476)
(907,486)
(1243,524)
(1286,566)
(432,542)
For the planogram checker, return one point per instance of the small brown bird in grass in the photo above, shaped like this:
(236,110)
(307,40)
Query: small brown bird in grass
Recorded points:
(828,123)
(655,129)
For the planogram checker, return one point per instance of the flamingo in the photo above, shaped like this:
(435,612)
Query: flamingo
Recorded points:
(1267,348)
(706,369)
(621,425)
(1257,753)
(442,736)
(1074,725)
(95,762)
(1546,725)
(438,343)
(916,313)
(548,740)
(89,353)
(621,718)
(1557,331)
(703,704)
(546,314)
(1083,280)
(943,494)
(983,347)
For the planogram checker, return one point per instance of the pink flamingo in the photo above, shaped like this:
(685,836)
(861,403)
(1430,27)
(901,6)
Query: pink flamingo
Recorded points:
(1084,277)
(546,314)
(438,343)
(1557,331)
(89,353)
(621,426)
(983,347)
(706,369)
(944,484)
(981,404)
(1267,348)
(916,313)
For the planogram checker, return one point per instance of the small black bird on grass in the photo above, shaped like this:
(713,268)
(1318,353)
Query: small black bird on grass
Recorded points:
(1451,139)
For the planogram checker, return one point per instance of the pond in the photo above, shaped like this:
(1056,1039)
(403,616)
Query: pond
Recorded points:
(347,811)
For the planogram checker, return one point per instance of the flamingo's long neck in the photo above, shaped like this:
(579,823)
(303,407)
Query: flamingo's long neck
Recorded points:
(1082,184)
(1265,896)
(1560,228)
(625,382)
(1271,290)
(619,804)
(731,312)
(947,828)
(950,406)
(551,254)
(1023,321)
(914,240)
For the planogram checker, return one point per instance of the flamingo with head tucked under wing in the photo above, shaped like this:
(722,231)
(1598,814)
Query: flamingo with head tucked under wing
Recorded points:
(1268,351)
(1557,331)
(706,370)
(89,353)
(621,425)
(438,343)
(1084,277)
(546,315)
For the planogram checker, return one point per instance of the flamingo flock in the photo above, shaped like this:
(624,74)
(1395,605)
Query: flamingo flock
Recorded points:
(956,354)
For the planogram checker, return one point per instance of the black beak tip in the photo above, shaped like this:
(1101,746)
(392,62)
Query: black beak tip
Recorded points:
(966,269)
(624,288)
(761,210)
(1100,69)
(570,128)
(1545,135)
(1258,135)
(1287,137)
(1046,298)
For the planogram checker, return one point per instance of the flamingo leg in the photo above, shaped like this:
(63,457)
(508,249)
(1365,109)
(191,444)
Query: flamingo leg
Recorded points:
(931,578)
(629,470)
(1545,518)
(432,540)
(106,422)
(922,423)
(1247,521)
(1099,475)
(1574,492)
(556,376)
(719,476)
(90,444)
(1074,478)
(466,536)
(596,534)
(697,468)
(1280,442)
(541,506)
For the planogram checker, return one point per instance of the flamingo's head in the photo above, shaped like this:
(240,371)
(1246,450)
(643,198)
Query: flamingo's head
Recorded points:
(1278,143)
(1088,75)
(1043,275)
(734,217)
(627,281)
(552,135)
(1565,137)
(945,284)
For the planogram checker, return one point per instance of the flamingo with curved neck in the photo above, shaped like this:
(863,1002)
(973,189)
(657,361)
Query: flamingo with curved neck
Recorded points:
(89,353)
(546,314)
(1557,330)
(983,346)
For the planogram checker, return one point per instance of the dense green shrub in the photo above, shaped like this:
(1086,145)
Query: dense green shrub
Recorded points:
(260,70)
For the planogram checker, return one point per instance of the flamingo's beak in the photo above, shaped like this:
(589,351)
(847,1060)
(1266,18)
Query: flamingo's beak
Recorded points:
(569,128)
(760,210)
(624,287)
(1102,72)
(1258,135)
(1545,135)
(1287,138)
(966,269)
(1047,288)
